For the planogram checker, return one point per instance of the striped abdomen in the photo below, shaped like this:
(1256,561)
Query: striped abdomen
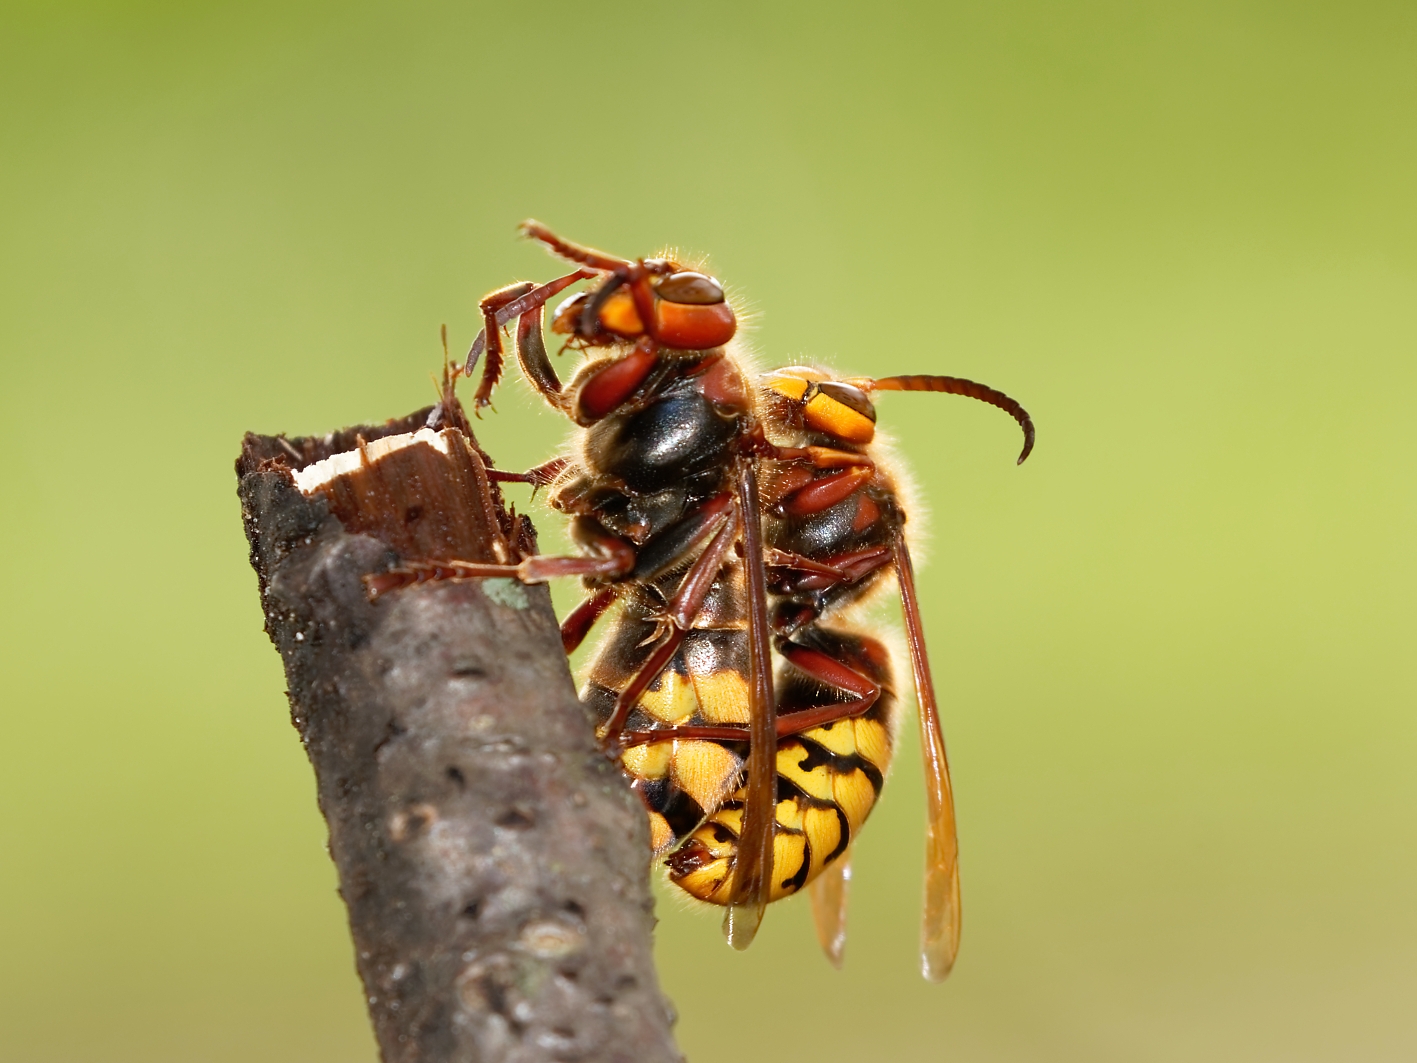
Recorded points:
(828,777)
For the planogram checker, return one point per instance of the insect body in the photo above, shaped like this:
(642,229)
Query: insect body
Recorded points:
(834,532)
(662,497)
(731,525)
(837,529)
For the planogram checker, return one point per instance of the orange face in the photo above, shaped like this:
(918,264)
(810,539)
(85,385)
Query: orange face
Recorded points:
(839,410)
(690,312)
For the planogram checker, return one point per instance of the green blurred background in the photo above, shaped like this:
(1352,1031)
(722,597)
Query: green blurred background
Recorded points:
(1173,645)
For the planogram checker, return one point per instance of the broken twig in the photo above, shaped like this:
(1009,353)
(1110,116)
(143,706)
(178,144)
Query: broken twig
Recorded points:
(492,859)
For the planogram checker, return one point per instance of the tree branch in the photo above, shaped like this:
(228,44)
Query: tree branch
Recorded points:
(492,859)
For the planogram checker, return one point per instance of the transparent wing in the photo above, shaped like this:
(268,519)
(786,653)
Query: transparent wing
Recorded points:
(939,936)
(828,892)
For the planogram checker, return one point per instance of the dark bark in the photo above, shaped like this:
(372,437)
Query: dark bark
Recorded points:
(492,859)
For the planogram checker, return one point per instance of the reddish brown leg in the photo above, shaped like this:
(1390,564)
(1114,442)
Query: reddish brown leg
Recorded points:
(684,734)
(537,569)
(847,567)
(582,618)
(821,457)
(587,256)
(590,312)
(830,672)
(674,546)
(531,356)
(826,491)
(625,700)
(501,308)
(610,557)
(819,666)
(679,614)
(643,295)
(785,559)
(694,588)
(861,563)
(491,335)
(820,575)
(599,395)
(537,477)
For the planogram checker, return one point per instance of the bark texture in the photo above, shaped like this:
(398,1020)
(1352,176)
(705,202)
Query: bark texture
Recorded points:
(492,859)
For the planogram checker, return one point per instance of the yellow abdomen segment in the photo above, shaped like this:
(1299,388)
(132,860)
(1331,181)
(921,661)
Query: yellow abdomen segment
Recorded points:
(826,789)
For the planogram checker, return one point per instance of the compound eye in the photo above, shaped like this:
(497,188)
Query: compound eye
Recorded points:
(690,288)
(850,396)
(843,411)
(691,313)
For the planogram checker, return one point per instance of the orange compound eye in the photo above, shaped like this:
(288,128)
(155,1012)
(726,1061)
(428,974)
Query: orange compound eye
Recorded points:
(690,312)
(693,328)
(842,411)
(618,314)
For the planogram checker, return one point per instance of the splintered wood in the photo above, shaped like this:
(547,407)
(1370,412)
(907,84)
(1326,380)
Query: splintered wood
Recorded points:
(424,493)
